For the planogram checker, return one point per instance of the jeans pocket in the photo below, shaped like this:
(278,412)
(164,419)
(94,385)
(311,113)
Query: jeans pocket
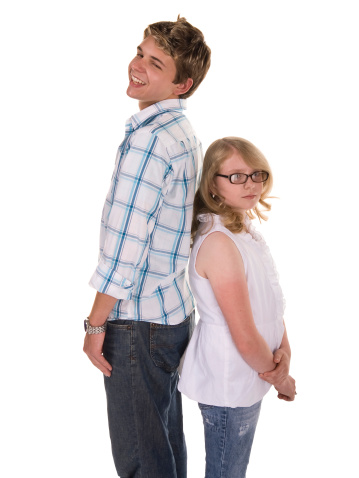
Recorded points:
(168,343)
(117,342)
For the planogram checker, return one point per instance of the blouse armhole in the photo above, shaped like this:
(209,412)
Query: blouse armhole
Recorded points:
(199,247)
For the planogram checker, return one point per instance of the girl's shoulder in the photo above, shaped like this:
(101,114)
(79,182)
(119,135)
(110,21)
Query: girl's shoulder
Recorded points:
(210,223)
(213,222)
(249,238)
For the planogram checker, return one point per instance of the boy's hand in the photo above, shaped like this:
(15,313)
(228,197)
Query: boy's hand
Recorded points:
(280,373)
(93,349)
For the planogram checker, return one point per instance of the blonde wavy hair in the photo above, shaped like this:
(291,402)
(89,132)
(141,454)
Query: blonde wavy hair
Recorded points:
(185,44)
(205,202)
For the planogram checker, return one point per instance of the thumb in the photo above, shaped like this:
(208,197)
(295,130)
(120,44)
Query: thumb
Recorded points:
(277,357)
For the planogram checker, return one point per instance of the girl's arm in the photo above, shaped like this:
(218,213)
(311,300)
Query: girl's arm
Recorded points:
(285,344)
(282,360)
(220,262)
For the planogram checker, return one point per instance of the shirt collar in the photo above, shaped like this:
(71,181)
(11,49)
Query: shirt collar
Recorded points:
(148,113)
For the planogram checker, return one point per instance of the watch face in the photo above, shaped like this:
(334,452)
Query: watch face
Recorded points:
(85,325)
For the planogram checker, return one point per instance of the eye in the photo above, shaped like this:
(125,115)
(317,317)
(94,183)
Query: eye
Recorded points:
(260,176)
(238,178)
(157,66)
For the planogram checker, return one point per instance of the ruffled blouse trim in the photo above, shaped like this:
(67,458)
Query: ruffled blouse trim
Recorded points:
(254,237)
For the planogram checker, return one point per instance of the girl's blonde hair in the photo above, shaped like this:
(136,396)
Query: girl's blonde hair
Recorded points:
(205,202)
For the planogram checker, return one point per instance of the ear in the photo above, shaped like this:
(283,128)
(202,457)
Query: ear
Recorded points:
(182,88)
(212,192)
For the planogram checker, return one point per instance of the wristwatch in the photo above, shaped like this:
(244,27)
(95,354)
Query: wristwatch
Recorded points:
(89,329)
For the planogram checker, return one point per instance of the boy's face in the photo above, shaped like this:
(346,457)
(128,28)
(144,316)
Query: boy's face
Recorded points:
(151,74)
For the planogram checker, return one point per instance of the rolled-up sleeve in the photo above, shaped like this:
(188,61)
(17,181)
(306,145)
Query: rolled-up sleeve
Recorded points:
(141,174)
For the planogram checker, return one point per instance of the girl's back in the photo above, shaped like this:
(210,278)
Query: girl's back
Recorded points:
(214,371)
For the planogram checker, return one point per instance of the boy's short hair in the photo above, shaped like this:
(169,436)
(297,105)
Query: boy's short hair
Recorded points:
(186,45)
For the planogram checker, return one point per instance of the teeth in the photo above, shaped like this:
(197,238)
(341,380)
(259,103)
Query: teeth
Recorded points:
(136,80)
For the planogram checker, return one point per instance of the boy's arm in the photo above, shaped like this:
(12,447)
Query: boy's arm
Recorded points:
(130,212)
(93,343)
(136,199)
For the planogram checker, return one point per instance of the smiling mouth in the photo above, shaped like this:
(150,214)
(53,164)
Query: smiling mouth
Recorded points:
(137,81)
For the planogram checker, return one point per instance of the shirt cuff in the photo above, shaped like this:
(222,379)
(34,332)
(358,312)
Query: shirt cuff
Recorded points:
(107,281)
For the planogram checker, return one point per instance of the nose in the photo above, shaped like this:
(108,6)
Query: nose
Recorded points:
(249,184)
(137,64)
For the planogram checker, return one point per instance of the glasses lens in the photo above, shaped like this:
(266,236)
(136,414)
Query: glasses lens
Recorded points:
(238,178)
(260,176)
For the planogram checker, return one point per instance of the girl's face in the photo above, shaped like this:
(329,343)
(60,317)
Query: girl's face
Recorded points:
(240,197)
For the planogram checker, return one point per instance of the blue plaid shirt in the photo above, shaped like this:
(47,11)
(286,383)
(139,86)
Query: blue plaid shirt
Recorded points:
(146,219)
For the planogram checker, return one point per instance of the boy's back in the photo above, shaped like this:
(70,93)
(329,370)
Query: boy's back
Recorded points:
(144,248)
(150,204)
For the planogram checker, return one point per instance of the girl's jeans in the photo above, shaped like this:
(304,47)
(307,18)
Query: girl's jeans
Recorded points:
(229,434)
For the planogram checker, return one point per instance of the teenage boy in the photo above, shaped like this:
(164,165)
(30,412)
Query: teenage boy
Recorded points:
(144,247)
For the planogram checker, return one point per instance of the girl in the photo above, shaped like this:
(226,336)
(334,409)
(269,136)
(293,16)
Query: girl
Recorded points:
(229,363)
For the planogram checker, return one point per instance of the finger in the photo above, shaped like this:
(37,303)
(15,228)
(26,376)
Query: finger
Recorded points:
(101,363)
(104,363)
(268,375)
(267,378)
(277,356)
(285,397)
(274,377)
(277,375)
(102,368)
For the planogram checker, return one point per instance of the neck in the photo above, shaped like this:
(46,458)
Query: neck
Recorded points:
(142,105)
(145,104)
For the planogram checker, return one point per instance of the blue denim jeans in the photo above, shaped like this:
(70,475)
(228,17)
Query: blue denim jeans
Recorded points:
(143,403)
(229,434)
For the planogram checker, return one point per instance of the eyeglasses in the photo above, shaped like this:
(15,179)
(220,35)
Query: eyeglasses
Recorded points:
(241,178)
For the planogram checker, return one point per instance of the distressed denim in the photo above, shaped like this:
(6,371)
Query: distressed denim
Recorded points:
(229,434)
(143,404)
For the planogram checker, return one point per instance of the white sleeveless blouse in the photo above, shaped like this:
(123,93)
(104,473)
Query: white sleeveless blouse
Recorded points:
(213,371)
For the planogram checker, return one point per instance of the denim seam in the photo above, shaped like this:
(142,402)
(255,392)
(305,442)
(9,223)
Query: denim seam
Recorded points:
(224,424)
(175,326)
(134,403)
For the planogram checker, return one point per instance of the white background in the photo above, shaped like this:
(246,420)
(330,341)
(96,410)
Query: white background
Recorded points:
(285,76)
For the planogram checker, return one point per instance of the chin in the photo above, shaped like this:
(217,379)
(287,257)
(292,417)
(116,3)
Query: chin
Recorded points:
(129,92)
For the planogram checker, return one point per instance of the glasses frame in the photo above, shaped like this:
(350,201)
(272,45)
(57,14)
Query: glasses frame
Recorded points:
(248,176)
